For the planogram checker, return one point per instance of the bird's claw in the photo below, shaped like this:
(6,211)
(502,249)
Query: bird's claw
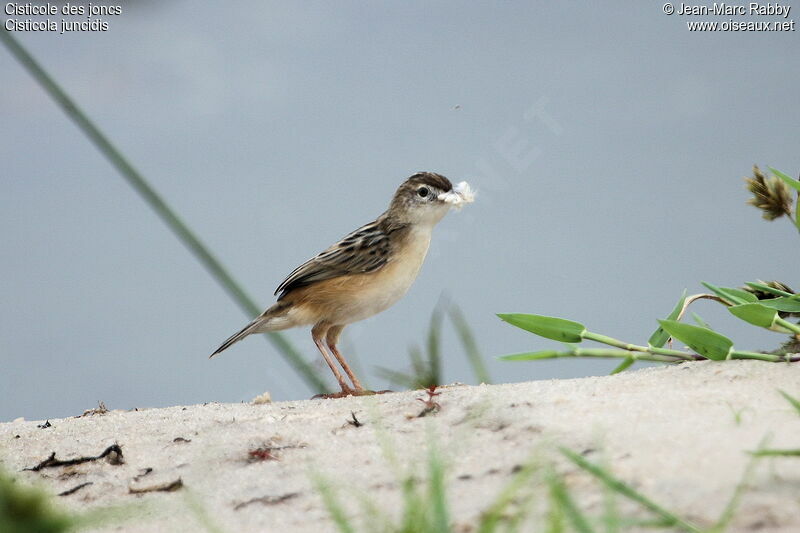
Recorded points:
(348,392)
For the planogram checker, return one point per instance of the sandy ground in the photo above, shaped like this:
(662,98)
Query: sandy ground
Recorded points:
(678,434)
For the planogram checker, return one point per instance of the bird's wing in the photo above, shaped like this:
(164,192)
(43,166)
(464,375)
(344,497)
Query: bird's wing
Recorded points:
(364,250)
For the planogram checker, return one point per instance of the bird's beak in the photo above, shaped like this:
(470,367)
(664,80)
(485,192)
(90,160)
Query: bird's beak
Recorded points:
(459,195)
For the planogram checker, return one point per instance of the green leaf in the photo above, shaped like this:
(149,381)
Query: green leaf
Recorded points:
(625,364)
(731,295)
(755,314)
(789,305)
(705,342)
(558,329)
(791,182)
(660,337)
(532,356)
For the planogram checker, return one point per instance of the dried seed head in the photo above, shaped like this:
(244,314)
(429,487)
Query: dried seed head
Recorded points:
(764,295)
(774,284)
(770,195)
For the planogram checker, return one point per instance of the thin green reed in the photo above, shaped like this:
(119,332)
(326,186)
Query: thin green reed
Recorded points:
(170,218)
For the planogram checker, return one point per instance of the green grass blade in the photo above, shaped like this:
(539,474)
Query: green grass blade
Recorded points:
(308,373)
(731,295)
(660,337)
(700,322)
(791,182)
(792,400)
(626,490)
(624,365)
(374,515)
(419,367)
(434,344)
(558,329)
(659,523)
(510,494)
(611,515)
(200,512)
(755,314)
(766,288)
(776,453)
(563,500)
(395,377)
(25,508)
(334,506)
(437,491)
(419,377)
(707,343)
(464,332)
(730,509)
(797,210)
(554,521)
(415,511)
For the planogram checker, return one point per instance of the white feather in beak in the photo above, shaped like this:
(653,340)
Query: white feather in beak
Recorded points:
(461,194)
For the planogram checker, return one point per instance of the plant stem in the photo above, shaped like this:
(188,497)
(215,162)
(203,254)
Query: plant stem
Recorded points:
(772,358)
(691,299)
(608,353)
(788,325)
(167,215)
(635,348)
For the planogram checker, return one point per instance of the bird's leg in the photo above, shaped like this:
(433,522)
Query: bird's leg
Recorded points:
(332,338)
(318,333)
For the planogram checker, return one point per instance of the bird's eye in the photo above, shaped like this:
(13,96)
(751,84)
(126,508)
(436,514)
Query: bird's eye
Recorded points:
(423,192)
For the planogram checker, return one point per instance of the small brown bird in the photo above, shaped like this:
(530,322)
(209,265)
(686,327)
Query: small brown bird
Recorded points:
(364,273)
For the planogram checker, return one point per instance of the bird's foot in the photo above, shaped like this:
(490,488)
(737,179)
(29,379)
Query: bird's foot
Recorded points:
(334,395)
(348,392)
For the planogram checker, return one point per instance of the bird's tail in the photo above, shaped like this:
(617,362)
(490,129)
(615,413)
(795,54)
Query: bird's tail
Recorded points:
(273,319)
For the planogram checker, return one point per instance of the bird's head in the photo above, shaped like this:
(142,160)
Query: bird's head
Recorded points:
(426,197)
